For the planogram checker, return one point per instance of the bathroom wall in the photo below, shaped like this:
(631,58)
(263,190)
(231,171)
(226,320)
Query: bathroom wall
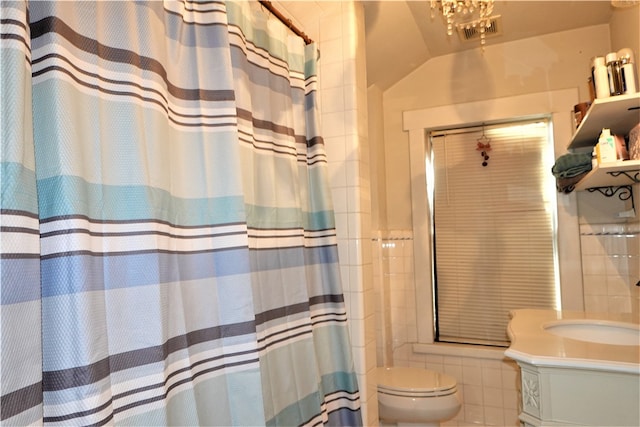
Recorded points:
(394,293)
(338,29)
(624,29)
(487,381)
(610,249)
(384,256)
(610,245)
(558,61)
(377,169)
(611,267)
(555,61)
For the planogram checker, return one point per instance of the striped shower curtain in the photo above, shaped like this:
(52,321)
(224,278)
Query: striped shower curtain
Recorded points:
(168,250)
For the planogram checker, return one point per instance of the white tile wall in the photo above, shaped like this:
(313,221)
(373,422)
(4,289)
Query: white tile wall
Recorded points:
(611,267)
(338,28)
(488,387)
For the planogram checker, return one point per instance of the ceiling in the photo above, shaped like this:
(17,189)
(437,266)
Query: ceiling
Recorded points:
(401,35)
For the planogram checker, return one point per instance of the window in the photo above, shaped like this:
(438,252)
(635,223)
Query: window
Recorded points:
(493,218)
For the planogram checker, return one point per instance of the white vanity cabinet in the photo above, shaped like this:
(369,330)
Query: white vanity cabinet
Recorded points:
(560,396)
(588,381)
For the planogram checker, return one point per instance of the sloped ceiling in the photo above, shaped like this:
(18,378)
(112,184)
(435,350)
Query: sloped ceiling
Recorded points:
(402,35)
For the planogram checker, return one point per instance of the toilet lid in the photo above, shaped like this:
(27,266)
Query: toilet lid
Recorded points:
(414,380)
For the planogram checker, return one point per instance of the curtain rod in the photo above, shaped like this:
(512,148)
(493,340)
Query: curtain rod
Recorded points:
(285,21)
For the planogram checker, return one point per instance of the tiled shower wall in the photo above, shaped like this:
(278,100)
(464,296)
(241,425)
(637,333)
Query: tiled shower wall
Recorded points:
(338,28)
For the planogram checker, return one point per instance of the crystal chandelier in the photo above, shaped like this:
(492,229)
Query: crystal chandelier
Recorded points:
(465,14)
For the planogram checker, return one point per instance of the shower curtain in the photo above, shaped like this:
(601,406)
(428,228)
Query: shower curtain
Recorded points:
(168,250)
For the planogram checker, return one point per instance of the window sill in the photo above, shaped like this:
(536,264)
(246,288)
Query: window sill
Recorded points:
(460,350)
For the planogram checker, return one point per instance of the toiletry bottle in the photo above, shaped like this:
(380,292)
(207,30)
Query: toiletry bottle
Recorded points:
(628,75)
(600,77)
(613,71)
(592,87)
(634,143)
(621,148)
(606,148)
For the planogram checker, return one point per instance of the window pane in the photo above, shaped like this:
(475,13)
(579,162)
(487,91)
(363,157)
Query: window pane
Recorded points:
(494,235)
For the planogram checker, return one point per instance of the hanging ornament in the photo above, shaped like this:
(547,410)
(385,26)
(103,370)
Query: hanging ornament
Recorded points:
(484,146)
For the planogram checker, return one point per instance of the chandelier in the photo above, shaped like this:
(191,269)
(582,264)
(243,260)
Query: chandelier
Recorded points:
(465,14)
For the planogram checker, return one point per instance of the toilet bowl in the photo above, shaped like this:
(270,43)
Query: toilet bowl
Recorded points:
(418,397)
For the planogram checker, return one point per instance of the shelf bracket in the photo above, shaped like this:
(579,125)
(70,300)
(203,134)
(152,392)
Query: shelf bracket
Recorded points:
(624,192)
(633,175)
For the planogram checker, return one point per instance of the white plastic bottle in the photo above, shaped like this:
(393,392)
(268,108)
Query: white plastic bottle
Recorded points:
(600,77)
(606,148)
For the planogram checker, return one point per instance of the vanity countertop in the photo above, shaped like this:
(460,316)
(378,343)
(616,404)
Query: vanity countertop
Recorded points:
(531,343)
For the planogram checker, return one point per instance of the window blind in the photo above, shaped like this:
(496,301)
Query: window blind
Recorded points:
(493,228)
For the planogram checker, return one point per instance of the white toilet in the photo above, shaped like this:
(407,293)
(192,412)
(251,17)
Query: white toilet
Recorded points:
(416,397)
